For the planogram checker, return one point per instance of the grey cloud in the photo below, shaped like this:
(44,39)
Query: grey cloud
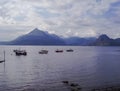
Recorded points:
(81,17)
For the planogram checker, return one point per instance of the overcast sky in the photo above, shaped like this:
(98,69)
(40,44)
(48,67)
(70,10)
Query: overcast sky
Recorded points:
(84,18)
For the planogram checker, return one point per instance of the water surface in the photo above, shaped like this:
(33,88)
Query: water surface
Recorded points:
(88,66)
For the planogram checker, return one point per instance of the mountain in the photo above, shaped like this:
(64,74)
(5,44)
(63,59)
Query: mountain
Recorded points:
(79,41)
(38,37)
(104,40)
(117,42)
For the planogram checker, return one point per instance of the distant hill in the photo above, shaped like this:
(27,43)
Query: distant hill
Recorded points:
(79,41)
(39,37)
(104,40)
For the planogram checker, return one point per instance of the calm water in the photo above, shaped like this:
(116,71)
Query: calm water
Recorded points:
(87,66)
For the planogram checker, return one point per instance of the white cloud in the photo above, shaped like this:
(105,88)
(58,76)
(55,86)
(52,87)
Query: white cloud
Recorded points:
(64,17)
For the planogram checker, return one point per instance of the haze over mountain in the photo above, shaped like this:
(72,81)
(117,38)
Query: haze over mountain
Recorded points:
(39,37)
(79,41)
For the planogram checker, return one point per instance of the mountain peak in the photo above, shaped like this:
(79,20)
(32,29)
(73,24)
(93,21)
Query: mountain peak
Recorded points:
(36,31)
(104,37)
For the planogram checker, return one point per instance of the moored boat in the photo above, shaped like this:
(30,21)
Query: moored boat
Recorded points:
(58,51)
(20,52)
(69,50)
(43,52)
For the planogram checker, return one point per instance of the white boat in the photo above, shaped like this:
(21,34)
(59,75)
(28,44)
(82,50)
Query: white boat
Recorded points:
(43,52)
(20,52)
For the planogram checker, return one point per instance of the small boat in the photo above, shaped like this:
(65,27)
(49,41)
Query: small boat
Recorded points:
(69,50)
(3,59)
(43,52)
(20,52)
(58,51)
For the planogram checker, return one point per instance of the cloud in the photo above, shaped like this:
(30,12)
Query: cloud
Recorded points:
(80,17)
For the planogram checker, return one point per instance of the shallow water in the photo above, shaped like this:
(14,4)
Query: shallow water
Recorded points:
(88,66)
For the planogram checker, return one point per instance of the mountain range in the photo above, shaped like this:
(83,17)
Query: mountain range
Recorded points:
(39,37)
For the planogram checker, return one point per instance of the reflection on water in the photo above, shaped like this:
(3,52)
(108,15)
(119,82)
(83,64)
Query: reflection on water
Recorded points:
(87,66)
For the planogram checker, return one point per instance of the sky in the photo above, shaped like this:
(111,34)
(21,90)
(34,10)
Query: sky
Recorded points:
(83,18)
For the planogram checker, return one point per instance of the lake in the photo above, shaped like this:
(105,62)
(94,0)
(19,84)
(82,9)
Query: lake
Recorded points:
(90,67)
